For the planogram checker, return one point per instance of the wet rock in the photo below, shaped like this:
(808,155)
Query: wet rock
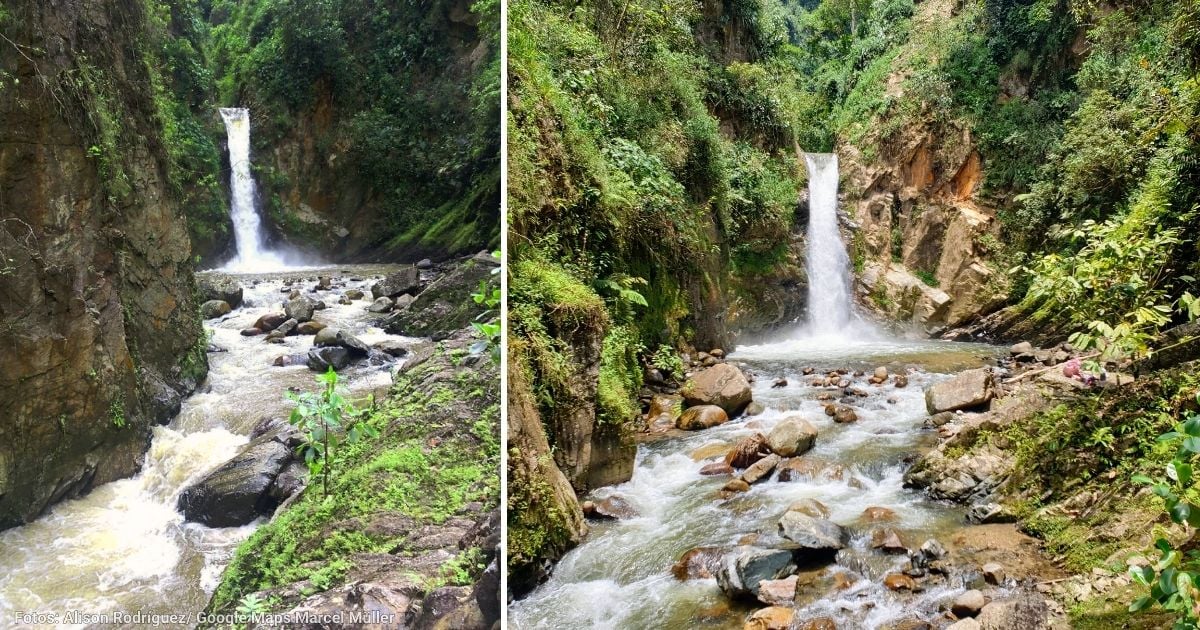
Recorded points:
(1024,611)
(876,513)
(293,294)
(710,450)
(424,263)
(988,512)
(285,329)
(392,348)
(887,540)
(335,337)
(773,618)
(404,301)
(309,328)
(747,451)
(881,373)
(354,294)
(782,382)
(761,469)
(799,468)
(778,592)
(236,493)
(225,289)
(819,623)
(300,309)
(723,385)
(810,533)
(965,624)
(744,568)
(324,283)
(754,409)
(701,417)
(966,390)
(993,573)
(270,321)
(901,380)
(251,332)
(845,415)
(933,549)
(699,563)
(614,507)
(735,485)
(407,280)
(715,469)
(287,360)
(968,604)
(810,507)
(909,624)
(940,419)
(899,582)
(213,309)
(381,305)
(831,410)
(321,359)
(792,436)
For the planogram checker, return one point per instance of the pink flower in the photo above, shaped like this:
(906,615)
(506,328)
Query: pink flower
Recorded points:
(1071,369)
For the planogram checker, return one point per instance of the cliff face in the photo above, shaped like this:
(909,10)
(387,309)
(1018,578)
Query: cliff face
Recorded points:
(97,307)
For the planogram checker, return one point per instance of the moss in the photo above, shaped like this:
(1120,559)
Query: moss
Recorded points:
(620,377)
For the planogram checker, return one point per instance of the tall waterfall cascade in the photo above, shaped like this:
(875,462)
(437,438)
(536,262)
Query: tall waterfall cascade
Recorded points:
(252,253)
(828,265)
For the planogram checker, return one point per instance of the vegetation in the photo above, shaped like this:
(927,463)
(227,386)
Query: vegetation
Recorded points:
(487,324)
(325,418)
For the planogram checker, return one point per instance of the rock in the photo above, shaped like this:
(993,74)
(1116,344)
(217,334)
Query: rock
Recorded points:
(270,321)
(909,624)
(887,540)
(778,592)
(213,309)
(940,419)
(810,507)
(715,469)
(899,582)
(446,306)
(844,415)
(881,373)
(251,332)
(819,623)
(736,485)
(792,436)
(754,408)
(969,604)
(321,359)
(404,301)
(354,294)
(965,624)
(698,563)
(814,534)
(407,280)
(701,417)
(300,309)
(613,506)
(1026,611)
(773,618)
(993,573)
(285,329)
(747,451)
(309,328)
(933,549)
(236,492)
(966,390)
(424,263)
(901,380)
(324,283)
(743,569)
(392,348)
(335,337)
(210,287)
(1022,349)
(781,382)
(381,305)
(287,360)
(723,385)
(875,513)
(761,469)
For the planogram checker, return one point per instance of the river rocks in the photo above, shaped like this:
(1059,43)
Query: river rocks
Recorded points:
(744,568)
(716,469)
(392,348)
(698,563)
(270,321)
(792,436)
(975,474)
(899,582)
(407,280)
(778,592)
(761,469)
(309,328)
(211,287)
(701,417)
(993,573)
(300,309)
(810,507)
(773,618)
(734,486)
(966,390)
(747,451)
(1024,611)
(880,374)
(779,383)
(810,533)
(321,359)
(424,263)
(876,513)
(819,623)
(381,305)
(965,624)
(968,604)
(236,492)
(287,360)
(335,337)
(723,385)
(887,540)
(353,294)
(213,309)
(285,329)
(613,507)
(251,332)
(900,380)
(403,302)
(446,306)
(754,409)
(844,415)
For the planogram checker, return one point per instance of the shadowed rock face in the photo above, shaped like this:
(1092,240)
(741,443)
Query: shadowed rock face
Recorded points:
(98,308)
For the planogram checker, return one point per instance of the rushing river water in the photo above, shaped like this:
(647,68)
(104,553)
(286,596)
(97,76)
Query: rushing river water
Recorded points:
(124,547)
(620,576)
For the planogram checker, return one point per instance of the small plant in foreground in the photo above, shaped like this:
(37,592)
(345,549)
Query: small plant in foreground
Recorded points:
(322,418)
(487,325)
(252,605)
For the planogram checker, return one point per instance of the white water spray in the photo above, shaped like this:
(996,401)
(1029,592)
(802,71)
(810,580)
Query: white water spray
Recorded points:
(252,254)
(828,265)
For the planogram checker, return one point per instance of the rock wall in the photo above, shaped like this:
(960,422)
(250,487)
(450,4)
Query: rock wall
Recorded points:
(97,309)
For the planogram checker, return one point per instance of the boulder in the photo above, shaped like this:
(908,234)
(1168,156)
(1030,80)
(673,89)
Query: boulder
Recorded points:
(899,582)
(251,332)
(446,304)
(287,360)
(901,380)
(811,533)
(270,321)
(966,390)
(965,624)
(321,359)
(404,301)
(614,507)
(309,328)
(354,294)
(747,451)
(392,348)
(701,417)
(335,337)
(1024,611)
(407,280)
(716,468)
(754,409)
(993,573)
(300,308)
(225,289)
(968,604)
(876,513)
(810,507)
(237,492)
(424,263)
(773,618)
(761,469)
(844,415)
(743,569)
(778,592)
(735,485)
(723,385)
(381,305)
(792,436)
(887,540)
(213,309)
(286,328)
(698,563)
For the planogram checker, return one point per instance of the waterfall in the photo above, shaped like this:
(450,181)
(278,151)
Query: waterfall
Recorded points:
(252,254)
(828,265)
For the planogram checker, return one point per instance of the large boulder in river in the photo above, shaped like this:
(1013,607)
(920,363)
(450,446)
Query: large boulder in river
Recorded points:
(381,305)
(335,337)
(792,436)
(701,417)
(744,568)
(446,304)
(747,451)
(722,385)
(213,309)
(270,321)
(407,280)
(812,533)
(321,359)
(966,390)
(237,492)
(300,308)
(222,288)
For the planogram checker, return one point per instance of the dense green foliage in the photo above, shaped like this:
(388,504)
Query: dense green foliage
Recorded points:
(326,419)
